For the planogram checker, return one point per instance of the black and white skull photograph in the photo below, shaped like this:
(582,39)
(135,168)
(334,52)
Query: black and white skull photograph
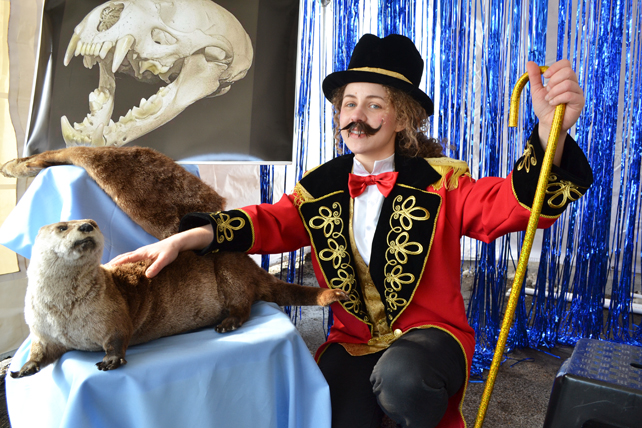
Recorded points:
(194,79)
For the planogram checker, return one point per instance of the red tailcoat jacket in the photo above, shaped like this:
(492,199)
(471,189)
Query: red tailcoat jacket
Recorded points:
(415,262)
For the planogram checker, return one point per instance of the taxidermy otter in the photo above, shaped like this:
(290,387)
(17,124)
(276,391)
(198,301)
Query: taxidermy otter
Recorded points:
(75,303)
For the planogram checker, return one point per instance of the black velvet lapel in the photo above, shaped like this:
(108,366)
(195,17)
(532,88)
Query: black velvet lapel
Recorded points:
(327,219)
(415,172)
(398,254)
(329,177)
(402,240)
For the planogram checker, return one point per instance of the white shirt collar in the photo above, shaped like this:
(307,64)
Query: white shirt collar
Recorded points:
(384,165)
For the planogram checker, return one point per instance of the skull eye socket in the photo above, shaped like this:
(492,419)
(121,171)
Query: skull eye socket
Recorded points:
(162,37)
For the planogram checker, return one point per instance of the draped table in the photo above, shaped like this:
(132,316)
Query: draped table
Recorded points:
(261,375)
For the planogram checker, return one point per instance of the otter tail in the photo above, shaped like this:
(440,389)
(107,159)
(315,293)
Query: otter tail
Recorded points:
(286,294)
(266,286)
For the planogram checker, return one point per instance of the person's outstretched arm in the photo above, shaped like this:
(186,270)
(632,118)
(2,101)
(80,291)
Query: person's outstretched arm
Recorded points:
(164,252)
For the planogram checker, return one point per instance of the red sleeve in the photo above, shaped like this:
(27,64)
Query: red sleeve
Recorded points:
(277,227)
(487,208)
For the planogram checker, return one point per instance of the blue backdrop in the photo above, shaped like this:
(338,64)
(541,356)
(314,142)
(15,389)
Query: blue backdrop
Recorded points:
(474,52)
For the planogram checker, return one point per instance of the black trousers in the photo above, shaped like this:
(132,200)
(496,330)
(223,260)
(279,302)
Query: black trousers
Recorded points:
(411,381)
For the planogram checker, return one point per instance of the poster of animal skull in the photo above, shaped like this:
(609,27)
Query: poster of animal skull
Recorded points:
(198,80)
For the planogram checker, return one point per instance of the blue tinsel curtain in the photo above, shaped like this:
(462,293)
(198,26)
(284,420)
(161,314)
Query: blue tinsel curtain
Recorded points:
(474,52)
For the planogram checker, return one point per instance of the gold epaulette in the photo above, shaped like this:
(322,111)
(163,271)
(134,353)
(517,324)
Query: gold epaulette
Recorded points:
(300,195)
(445,165)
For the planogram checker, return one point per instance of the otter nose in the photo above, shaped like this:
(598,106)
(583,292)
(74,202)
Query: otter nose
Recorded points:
(86,227)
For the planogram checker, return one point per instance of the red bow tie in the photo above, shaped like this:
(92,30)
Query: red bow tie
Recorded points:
(385,182)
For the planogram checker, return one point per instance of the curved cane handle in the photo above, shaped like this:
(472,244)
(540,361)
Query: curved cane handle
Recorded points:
(533,219)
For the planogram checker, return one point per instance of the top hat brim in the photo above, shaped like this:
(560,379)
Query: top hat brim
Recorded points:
(340,78)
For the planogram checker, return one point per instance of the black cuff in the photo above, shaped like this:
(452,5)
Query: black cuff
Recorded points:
(233,230)
(566,183)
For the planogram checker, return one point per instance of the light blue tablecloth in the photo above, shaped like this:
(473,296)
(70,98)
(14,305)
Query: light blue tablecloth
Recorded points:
(260,376)
(67,193)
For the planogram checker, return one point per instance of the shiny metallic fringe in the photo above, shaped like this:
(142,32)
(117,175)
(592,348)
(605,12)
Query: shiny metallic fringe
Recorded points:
(474,52)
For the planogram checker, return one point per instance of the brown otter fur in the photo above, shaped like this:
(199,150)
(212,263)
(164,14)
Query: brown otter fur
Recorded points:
(75,303)
(149,187)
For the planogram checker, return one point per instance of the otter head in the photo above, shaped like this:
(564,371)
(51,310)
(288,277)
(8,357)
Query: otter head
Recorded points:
(70,242)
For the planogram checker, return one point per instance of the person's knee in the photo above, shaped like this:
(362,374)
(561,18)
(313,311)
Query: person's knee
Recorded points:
(400,385)
(412,386)
(407,398)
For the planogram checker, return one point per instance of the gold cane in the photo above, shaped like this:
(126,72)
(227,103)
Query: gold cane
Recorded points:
(528,239)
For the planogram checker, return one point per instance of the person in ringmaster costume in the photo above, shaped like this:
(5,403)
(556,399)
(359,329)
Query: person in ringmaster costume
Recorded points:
(385,222)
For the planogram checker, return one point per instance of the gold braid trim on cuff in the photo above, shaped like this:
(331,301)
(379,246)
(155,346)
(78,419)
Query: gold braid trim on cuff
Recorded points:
(523,205)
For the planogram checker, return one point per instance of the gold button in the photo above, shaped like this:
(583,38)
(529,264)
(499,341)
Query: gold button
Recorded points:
(398,332)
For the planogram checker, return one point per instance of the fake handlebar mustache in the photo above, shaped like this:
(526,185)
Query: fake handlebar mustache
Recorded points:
(362,127)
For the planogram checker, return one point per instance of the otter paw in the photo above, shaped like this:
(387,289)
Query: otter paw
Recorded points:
(17,168)
(29,368)
(111,362)
(331,296)
(229,324)
(341,295)
(8,168)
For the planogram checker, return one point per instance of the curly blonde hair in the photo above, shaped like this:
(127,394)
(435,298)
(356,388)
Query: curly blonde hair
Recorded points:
(412,140)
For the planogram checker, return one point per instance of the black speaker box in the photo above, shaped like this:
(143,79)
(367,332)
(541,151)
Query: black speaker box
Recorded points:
(599,386)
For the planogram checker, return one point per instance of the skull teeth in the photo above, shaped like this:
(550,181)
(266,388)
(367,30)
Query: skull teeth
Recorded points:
(145,109)
(82,133)
(77,47)
(153,66)
(97,138)
(122,47)
(71,49)
(85,122)
(97,99)
(89,61)
(72,136)
(127,118)
(106,47)
(95,129)
(91,52)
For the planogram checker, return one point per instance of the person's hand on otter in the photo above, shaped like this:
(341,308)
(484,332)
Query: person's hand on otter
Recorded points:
(164,252)
(562,88)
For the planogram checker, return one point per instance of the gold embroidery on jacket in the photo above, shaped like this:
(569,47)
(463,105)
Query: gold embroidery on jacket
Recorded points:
(346,281)
(528,158)
(404,212)
(399,247)
(329,220)
(527,207)
(566,189)
(336,253)
(225,227)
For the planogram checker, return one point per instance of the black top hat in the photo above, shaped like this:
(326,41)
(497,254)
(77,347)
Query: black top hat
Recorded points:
(393,61)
